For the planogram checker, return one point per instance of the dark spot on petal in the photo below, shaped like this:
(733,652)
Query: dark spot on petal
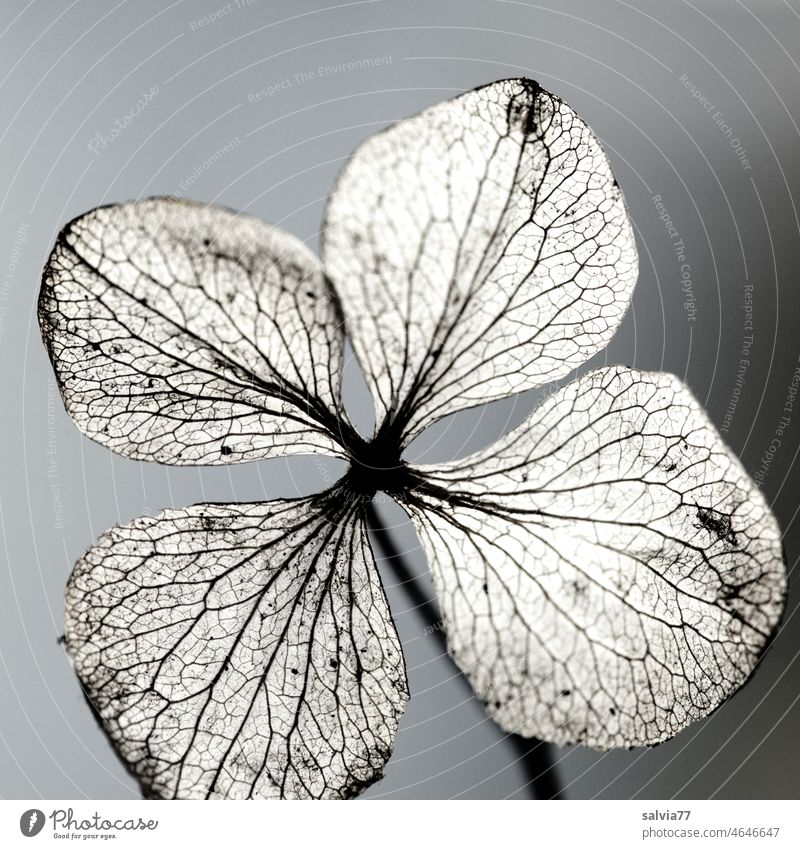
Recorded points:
(730,593)
(522,111)
(716,523)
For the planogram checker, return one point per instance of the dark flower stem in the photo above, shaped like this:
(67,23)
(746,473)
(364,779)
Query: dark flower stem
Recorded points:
(535,755)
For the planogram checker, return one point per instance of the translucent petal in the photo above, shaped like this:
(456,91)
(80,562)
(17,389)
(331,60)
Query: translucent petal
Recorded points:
(608,573)
(479,248)
(188,334)
(240,651)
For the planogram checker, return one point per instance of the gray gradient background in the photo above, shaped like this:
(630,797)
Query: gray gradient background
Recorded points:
(69,69)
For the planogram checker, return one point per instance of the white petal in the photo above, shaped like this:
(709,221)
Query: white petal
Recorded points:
(240,651)
(608,573)
(185,334)
(480,248)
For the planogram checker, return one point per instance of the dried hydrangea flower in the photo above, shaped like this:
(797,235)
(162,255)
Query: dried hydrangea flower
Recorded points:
(607,573)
